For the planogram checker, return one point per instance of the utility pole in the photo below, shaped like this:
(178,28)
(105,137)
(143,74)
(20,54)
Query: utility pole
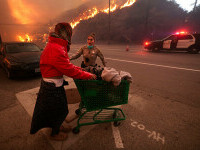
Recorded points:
(146,30)
(195,5)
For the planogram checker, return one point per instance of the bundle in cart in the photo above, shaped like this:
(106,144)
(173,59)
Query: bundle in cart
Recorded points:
(98,101)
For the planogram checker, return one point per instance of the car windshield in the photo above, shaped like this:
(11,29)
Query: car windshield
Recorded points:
(169,37)
(21,47)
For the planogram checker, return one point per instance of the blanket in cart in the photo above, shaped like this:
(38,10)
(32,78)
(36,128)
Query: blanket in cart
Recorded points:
(112,75)
(50,109)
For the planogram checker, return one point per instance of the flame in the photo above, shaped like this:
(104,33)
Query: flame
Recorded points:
(21,11)
(111,9)
(128,3)
(86,15)
(94,11)
(25,38)
(45,37)
(73,24)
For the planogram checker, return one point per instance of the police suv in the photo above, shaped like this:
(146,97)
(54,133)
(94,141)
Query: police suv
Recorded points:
(178,41)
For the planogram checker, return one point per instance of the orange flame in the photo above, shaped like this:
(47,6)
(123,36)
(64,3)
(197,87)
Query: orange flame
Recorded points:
(25,38)
(111,9)
(86,15)
(22,12)
(128,3)
(94,11)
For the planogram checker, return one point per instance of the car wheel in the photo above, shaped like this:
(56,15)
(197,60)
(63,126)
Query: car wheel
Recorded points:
(193,50)
(155,49)
(9,73)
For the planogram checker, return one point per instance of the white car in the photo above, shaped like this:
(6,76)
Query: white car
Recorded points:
(178,41)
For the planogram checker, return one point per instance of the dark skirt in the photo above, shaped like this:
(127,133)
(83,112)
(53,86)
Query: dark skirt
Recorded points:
(51,108)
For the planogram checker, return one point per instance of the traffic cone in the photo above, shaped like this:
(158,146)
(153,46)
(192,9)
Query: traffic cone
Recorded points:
(127,48)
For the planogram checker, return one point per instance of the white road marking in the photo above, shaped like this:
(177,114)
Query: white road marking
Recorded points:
(151,134)
(117,137)
(172,67)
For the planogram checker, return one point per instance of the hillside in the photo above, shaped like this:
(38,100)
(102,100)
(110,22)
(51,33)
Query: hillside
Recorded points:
(143,20)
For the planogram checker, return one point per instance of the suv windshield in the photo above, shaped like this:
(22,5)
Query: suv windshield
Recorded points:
(21,47)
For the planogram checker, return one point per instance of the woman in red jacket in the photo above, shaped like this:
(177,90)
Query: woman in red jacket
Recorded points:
(51,106)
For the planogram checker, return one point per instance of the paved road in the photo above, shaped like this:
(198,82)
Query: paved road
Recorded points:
(164,112)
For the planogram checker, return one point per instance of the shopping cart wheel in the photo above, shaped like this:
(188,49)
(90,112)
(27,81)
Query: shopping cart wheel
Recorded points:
(75,130)
(78,112)
(116,123)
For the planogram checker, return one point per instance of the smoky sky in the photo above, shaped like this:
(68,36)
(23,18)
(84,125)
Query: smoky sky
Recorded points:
(5,16)
(47,10)
(42,13)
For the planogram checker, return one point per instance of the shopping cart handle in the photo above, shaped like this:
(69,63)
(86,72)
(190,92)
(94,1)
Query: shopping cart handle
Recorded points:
(101,82)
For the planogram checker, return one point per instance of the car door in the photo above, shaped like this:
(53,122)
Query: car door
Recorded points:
(167,42)
(185,41)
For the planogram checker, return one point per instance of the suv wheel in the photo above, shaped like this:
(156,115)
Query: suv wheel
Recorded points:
(193,50)
(155,49)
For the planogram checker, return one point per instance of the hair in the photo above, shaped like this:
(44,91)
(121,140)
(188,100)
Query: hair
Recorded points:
(64,30)
(92,35)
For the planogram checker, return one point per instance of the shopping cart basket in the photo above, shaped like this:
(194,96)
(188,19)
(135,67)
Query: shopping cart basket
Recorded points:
(97,99)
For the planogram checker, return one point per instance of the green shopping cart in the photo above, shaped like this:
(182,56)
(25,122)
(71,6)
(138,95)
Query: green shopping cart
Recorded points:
(98,102)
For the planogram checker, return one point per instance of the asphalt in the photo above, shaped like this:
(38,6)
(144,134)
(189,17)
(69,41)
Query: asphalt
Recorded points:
(41,139)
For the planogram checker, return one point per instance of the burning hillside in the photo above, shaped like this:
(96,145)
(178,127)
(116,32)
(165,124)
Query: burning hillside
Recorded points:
(90,13)
(25,14)
(128,20)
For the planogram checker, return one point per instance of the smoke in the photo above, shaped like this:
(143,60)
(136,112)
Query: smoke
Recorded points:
(49,9)
(40,12)
(5,16)
(32,16)
(6,20)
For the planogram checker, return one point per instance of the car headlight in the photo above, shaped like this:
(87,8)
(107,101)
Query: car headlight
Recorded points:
(13,64)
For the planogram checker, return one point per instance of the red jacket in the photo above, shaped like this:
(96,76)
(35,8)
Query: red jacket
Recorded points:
(54,61)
